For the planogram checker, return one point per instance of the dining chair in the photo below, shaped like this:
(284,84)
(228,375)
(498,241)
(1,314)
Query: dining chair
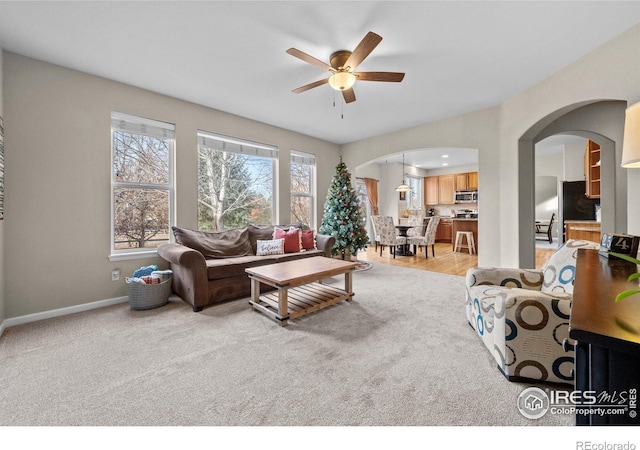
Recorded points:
(388,234)
(545,229)
(429,237)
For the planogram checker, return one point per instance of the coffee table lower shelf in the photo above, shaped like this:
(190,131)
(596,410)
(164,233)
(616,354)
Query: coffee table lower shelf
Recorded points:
(301,300)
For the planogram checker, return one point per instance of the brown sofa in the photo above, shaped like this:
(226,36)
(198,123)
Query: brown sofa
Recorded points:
(208,268)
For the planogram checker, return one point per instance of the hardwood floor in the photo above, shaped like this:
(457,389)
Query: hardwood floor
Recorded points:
(445,261)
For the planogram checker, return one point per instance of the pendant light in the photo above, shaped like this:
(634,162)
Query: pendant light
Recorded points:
(631,137)
(402,187)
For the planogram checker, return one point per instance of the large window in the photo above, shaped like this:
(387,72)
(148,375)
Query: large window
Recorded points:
(235,182)
(141,183)
(414,199)
(302,187)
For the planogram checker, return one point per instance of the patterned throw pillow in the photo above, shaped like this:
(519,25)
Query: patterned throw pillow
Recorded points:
(292,239)
(272,247)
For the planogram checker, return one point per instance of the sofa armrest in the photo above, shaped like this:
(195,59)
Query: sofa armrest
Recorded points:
(325,243)
(189,273)
(511,277)
(536,331)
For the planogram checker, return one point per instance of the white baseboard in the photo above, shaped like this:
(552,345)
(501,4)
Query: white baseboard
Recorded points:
(13,321)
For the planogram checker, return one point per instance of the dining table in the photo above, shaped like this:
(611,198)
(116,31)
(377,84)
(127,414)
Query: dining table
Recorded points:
(404,250)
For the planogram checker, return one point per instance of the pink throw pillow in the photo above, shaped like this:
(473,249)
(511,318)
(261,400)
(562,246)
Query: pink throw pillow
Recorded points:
(292,239)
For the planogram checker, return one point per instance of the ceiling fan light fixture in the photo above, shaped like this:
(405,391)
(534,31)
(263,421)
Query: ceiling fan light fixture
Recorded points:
(341,81)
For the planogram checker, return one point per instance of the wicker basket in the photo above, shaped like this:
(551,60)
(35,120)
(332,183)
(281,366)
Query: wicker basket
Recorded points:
(149,296)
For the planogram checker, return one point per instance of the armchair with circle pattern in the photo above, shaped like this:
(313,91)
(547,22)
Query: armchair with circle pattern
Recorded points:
(522,315)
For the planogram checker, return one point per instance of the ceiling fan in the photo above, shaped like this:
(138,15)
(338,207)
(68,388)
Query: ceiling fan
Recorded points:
(342,66)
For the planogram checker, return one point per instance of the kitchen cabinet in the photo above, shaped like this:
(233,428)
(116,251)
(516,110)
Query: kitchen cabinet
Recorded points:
(592,169)
(466,181)
(444,231)
(465,225)
(462,181)
(446,189)
(588,230)
(431,191)
(473,180)
(441,190)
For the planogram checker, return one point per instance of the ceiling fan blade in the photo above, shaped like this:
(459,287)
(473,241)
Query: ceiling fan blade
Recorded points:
(366,46)
(380,76)
(306,87)
(308,58)
(349,95)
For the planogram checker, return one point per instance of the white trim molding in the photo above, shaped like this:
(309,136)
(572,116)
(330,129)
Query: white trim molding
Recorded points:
(20,320)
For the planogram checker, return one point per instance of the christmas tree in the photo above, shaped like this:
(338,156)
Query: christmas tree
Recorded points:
(342,216)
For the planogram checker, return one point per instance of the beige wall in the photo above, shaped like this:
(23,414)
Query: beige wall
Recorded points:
(57,148)
(611,72)
(477,130)
(58,188)
(2,302)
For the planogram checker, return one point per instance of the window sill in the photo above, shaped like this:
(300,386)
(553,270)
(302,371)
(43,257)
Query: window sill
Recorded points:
(133,255)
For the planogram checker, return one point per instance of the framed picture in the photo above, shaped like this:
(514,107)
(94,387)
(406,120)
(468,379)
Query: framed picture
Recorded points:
(403,196)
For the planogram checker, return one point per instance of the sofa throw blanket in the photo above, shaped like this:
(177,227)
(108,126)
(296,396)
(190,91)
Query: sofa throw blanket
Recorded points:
(224,244)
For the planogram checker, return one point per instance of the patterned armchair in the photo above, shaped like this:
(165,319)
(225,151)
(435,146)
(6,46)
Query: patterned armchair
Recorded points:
(429,238)
(522,315)
(387,233)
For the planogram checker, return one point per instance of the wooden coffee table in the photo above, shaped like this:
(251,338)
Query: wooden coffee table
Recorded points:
(299,286)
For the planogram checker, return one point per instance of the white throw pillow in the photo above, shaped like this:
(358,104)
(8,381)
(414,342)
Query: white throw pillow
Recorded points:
(272,247)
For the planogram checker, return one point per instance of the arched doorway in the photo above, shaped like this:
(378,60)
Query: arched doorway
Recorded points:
(600,121)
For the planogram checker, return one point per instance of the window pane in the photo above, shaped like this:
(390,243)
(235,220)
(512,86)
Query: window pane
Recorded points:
(233,189)
(140,159)
(301,209)
(300,178)
(414,199)
(141,218)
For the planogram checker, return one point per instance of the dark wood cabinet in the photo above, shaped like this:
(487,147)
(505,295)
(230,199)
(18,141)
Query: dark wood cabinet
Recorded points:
(607,334)
(444,231)
(464,225)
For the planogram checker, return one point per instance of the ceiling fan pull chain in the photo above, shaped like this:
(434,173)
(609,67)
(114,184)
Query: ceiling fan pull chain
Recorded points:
(342,109)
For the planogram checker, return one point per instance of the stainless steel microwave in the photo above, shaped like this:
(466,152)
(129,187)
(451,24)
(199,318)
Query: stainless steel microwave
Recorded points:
(466,197)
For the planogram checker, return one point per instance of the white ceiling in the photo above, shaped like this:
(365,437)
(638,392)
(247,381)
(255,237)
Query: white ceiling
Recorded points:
(458,56)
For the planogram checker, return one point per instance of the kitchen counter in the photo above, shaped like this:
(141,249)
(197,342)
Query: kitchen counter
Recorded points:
(582,229)
(464,224)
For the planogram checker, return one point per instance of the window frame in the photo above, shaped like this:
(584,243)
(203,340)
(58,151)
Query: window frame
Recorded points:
(211,140)
(416,186)
(308,159)
(141,125)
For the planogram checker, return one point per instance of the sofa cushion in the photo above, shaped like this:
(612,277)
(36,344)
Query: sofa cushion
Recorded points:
(225,244)
(259,232)
(292,239)
(226,268)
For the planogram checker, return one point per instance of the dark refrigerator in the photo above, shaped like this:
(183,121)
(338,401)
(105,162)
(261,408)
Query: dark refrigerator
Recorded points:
(574,204)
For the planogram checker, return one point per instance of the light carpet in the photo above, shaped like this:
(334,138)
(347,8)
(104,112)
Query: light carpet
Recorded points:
(401,353)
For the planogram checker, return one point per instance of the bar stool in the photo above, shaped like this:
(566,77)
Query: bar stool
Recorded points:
(470,244)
